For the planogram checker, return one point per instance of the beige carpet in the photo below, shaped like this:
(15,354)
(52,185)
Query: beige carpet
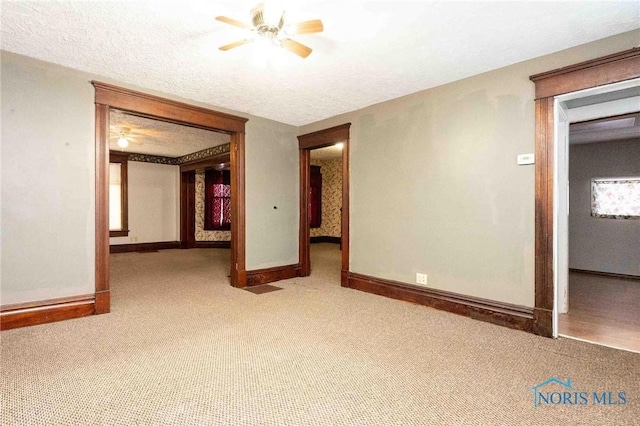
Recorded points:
(182,347)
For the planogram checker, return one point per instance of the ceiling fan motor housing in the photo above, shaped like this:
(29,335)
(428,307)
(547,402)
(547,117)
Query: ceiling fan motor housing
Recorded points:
(265,29)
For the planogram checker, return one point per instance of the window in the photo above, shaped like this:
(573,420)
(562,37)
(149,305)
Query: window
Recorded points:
(616,198)
(118,212)
(217,200)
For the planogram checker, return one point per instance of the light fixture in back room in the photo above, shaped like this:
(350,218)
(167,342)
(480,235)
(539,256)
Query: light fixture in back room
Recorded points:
(123,142)
(125,136)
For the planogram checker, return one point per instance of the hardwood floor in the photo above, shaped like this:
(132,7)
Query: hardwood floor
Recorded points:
(603,310)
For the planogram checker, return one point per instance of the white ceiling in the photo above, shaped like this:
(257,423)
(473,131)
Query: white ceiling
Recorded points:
(155,137)
(370,51)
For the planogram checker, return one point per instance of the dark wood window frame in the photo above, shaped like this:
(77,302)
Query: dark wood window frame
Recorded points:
(122,159)
(585,75)
(306,143)
(108,96)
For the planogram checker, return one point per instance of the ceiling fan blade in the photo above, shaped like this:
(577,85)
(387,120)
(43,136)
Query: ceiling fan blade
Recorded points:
(233,22)
(145,132)
(235,44)
(257,15)
(281,21)
(308,27)
(295,47)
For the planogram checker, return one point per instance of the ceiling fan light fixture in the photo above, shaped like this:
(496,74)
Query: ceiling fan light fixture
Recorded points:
(123,142)
(269,27)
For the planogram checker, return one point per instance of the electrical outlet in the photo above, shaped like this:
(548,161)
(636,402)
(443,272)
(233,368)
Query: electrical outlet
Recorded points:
(421,278)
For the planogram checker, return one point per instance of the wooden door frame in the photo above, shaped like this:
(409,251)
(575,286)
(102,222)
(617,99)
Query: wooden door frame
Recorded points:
(585,75)
(187,209)
(306,143)
(108,96)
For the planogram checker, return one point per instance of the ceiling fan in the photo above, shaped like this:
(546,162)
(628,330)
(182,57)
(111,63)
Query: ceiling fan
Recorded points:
(124,137)
(278,33)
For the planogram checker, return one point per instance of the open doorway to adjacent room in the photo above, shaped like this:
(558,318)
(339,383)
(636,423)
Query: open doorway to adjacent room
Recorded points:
(151,163)
(324,202)
(598,218)
(325,208)
(167,205)
(169,189)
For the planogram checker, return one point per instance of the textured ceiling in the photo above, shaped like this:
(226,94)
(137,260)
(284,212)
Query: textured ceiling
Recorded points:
(155,137)
(370,51)
(332,152)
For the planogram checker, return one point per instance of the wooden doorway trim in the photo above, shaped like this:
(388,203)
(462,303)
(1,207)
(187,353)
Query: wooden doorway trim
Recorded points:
(108,96)
(306,143)
(585,75)
(187,209)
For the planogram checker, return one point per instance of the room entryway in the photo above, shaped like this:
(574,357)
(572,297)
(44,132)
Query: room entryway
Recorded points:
(596,221)
(325,204)
(142,105)
(324,195)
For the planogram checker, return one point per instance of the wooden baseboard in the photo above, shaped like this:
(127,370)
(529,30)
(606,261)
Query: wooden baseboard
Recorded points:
(42,312)
(212,244)
(605,274)
(269,275)
(504,314)
(325,239)
(142,247)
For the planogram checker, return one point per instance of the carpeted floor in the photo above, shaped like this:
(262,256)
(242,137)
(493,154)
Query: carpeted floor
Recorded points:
(183,347)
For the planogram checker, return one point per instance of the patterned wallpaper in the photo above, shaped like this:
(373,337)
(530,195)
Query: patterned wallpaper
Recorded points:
(201,234)
(176,161)
(331,198)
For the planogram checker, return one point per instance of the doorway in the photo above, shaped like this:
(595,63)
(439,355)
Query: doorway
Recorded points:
(589,75)
(107,97)
(325,206)
(597,247)
(307,143)
(150,163)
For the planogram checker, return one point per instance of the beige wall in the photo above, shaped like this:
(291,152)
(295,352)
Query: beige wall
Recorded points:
(47,192)
(331,198)
(457,207)
(272,194)
(48,228)
(153,203)
(600,244)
